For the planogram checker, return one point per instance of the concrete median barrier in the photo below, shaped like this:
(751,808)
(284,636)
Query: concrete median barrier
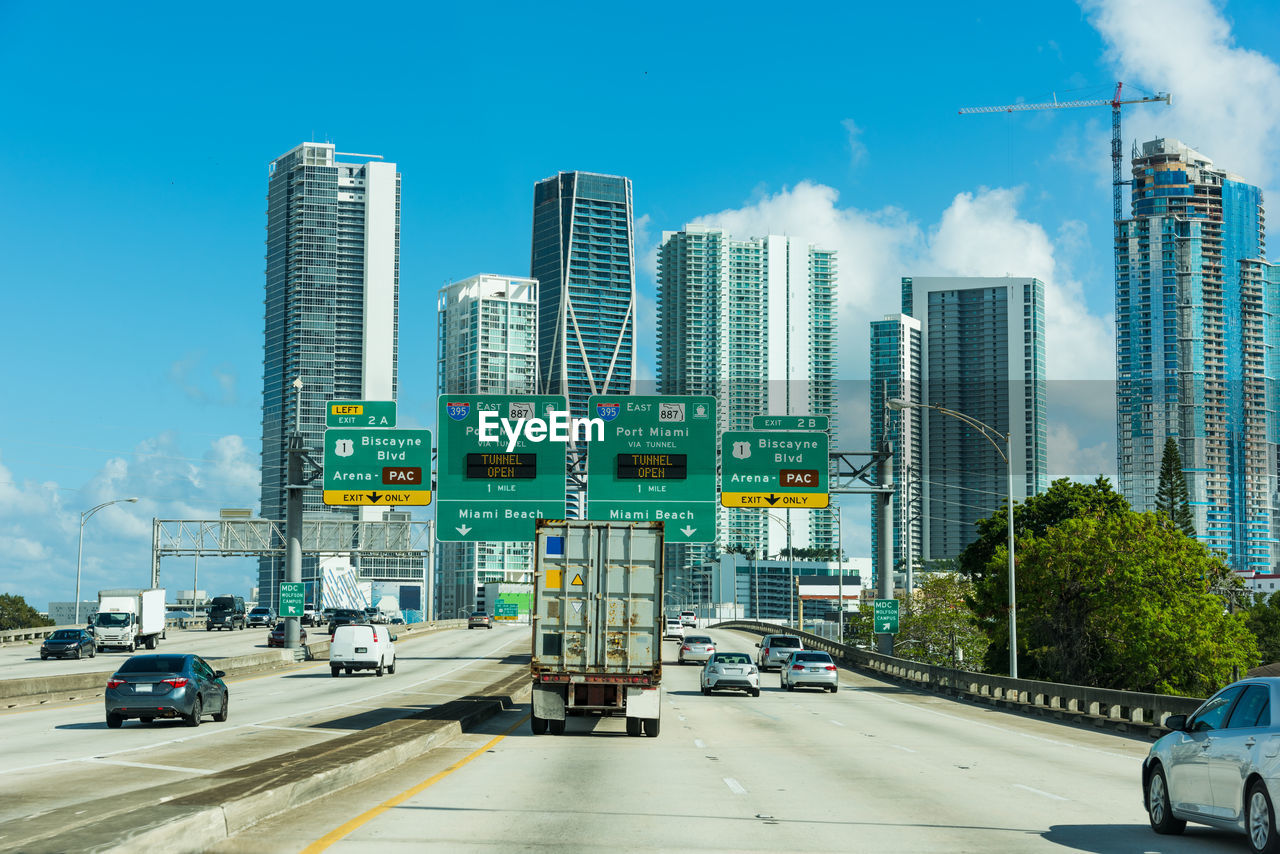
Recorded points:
(196,814)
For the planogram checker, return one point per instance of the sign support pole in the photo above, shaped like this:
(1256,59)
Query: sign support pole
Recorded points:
(884,585)
(293,514)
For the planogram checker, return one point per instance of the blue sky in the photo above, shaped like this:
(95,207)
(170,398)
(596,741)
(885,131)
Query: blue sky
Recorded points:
(136,138)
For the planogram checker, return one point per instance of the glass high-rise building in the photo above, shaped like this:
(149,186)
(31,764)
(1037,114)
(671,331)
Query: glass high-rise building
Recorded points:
(583,258)
(488,344)
(981,353)
(1196,349)
(896,357)
(751,321)
(331,315)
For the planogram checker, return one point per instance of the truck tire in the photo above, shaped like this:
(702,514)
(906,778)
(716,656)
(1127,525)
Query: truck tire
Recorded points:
(391,668)
(378,670)
(556,727)
(652,726)
(537,725)
(335,670)
(635,726)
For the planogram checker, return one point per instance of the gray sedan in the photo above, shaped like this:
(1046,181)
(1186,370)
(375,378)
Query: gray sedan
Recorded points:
(1219,766)
(166,686)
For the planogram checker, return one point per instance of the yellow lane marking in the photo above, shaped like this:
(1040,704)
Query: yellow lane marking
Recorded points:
(338,833)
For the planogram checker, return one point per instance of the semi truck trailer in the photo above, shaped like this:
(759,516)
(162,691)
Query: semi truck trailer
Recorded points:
(597,637)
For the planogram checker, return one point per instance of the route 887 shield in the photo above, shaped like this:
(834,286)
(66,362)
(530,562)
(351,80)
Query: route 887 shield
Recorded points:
(669,413)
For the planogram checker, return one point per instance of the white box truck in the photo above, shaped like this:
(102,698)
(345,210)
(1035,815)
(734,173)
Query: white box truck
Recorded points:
(597,634)
(128,619)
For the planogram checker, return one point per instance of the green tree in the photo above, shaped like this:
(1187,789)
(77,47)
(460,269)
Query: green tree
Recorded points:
(1172,499)
(1263,619)
(1124,600)
(939,628)
(15,613)
(1063,500)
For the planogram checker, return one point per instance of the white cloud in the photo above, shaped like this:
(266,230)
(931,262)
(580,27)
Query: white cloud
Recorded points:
(40,522)
(1224,95)
(857,150)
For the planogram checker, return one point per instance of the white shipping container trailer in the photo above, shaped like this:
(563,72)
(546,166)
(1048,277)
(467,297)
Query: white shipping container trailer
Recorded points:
(597,637)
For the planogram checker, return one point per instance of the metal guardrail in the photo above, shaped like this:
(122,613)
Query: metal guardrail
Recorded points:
(41,632)
(1102,706)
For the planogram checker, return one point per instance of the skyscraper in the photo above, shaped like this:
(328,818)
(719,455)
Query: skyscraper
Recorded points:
(488,344)
(896,357)
(752,322)
(982,354)
(1196,349)
(331,310)
(583,258)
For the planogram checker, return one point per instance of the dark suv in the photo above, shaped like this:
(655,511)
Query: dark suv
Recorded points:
(225,612)
(343,616)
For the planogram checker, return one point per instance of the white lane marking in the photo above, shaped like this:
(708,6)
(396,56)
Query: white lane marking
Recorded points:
(900,747)
(734,786)
(682,717)
(699,743)
(180,770)
(1039,792)
(222,730)
(320,731)
(837,723)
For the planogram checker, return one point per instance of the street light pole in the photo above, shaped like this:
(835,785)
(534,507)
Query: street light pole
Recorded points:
(990,434)
(84,517)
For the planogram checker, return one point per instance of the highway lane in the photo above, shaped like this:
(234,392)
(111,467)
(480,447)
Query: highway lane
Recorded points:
(874,767)
(55,756)
(22,660)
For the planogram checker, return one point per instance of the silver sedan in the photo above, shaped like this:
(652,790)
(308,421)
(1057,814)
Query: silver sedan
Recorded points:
(696,648)
(730,670)
(1218,766)
(809,668)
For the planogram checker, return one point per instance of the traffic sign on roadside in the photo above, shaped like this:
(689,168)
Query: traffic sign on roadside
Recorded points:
(360,413)
(790,422)
(495,490)
(656,463)
(885,613)
(773,468)
(385,468)
(291,598)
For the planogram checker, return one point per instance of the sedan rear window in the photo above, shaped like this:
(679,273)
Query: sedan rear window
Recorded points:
(731,658)
(698,639)
(785,641)
(153,664)
(812,656)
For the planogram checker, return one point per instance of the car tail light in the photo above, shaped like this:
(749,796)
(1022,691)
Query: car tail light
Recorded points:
(687,648)
(115,682)
(177,681)
(831,667)
(375,635)
(766,650)
(797,667)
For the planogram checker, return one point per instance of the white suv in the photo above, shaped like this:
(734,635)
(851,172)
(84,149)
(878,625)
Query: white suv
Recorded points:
(776,649)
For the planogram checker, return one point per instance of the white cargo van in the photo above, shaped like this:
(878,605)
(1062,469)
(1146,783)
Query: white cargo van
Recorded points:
(362,646)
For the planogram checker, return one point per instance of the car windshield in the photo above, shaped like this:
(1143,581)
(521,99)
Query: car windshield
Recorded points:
(65,634)
(349,615)
(153,664)
(731,658)
(258,611)
(112,620)
(785,641)
(698,639)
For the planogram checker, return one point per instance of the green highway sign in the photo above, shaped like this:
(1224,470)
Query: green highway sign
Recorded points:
(790,422)
(773,468)
(501,465)
(506,609)
(360,413)
(886,616)
(384,468)
(655,463)
(291,599)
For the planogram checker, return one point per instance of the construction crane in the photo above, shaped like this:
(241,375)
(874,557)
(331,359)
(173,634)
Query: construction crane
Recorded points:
(1115,103)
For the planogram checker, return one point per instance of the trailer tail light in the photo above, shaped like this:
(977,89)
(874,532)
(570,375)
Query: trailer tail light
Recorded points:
(115,682)
(176,682)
